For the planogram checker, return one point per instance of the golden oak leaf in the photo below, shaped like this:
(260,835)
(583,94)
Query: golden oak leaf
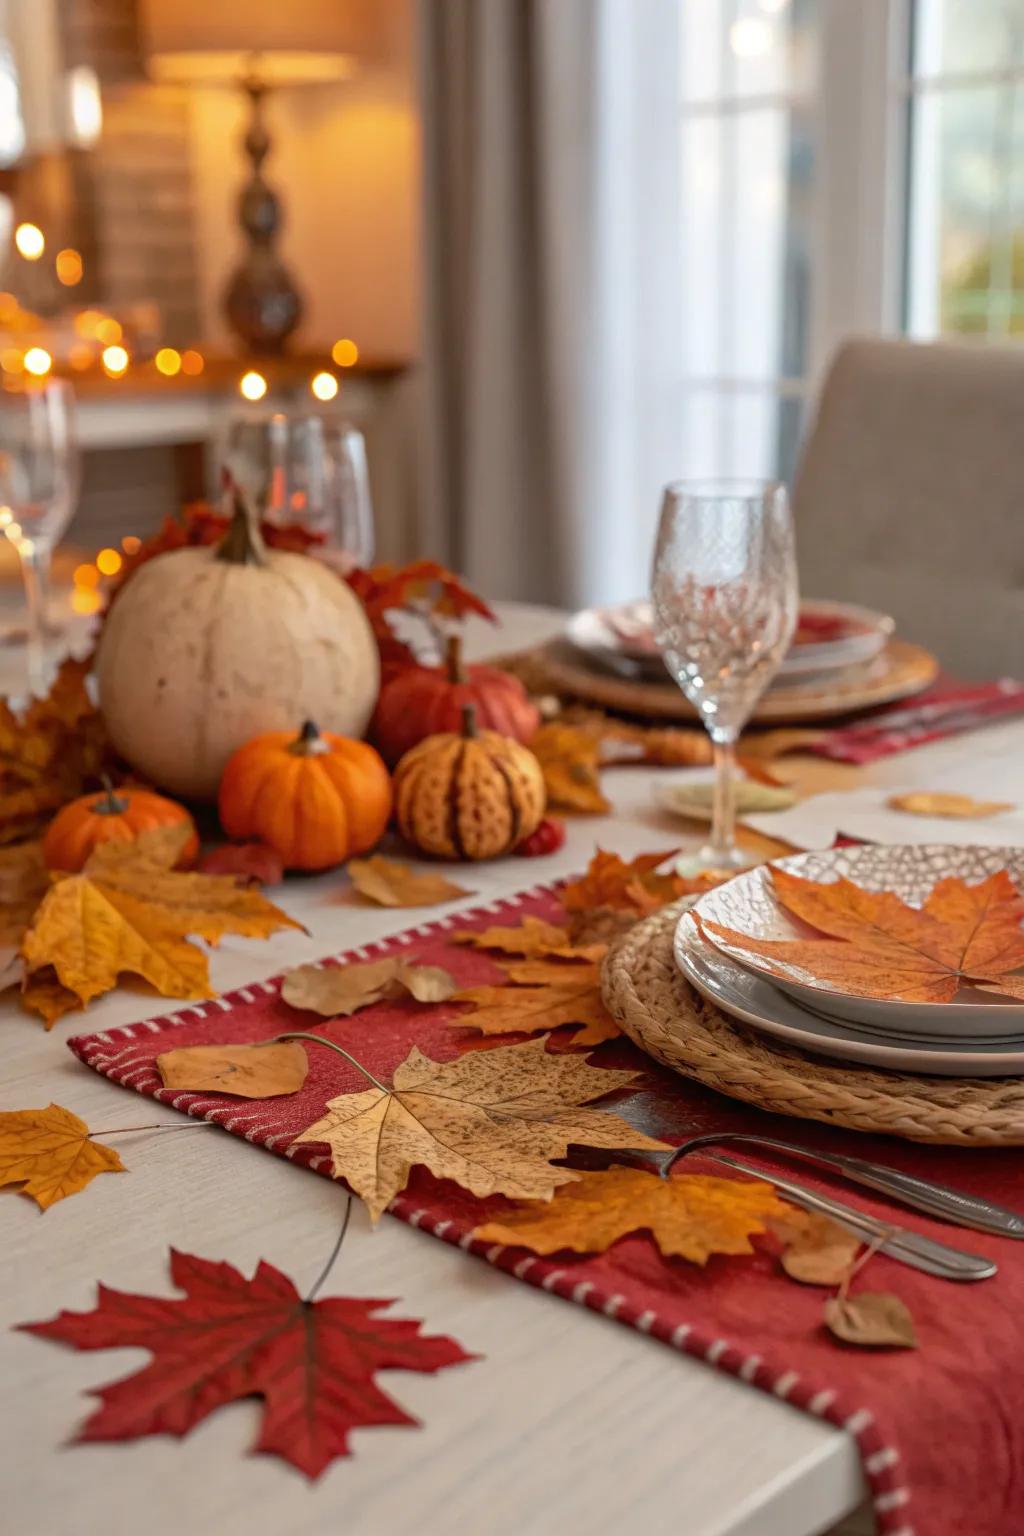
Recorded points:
(260,1071)
(127,912)
(570,760)
(878,946)
(489,1120)
(533,936)
(633,886)
(690,1216)
(390,884)
(341,990)
(956,807)
(50,1153)
(545,994)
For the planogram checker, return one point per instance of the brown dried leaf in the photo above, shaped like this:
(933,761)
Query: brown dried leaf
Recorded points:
(339,991)
(391,884)
(821,1252)
(489,1120)
(871,1319)
(531,937)
(261,1071)
(955,807)
(570,761)
(250,863)
(600,926)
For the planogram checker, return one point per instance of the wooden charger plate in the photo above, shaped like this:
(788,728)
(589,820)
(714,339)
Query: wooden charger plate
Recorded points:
(901,670)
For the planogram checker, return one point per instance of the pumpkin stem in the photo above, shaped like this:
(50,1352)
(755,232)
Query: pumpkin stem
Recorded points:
(309,742)
(453,659)
(243,543)
(469,729)
(111,804)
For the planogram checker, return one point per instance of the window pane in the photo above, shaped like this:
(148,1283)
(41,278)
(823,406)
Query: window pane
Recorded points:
(954,36)
(748,193)
(966,252)
(736,48)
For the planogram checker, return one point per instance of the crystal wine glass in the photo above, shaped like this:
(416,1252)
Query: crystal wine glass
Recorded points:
(309,469)
(724,587)
(39,483)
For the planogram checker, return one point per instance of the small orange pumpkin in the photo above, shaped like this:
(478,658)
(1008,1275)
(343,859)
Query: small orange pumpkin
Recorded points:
(315,798)
(469,796)
(111,816)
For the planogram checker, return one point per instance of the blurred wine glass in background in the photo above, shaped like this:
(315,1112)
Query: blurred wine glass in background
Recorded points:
(40,474)
(309,469)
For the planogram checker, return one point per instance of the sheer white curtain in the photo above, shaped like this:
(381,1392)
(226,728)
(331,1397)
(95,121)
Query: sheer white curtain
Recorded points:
(551,306)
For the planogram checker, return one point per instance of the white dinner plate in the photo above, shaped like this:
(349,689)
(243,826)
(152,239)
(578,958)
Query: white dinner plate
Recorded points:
(622,638)
(767,1009)
(748,904)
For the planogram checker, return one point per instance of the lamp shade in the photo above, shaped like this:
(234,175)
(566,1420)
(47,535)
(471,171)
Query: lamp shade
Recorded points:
(289,43)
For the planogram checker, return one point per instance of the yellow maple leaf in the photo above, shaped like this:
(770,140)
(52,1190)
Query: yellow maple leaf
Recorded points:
(129,911)
(50,1153)
(544,995)
(570,760)
(690,1216)
(489,1120)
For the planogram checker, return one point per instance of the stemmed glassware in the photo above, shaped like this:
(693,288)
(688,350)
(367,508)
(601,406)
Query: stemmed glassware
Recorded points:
(308,469)
(39,483)
(724,588)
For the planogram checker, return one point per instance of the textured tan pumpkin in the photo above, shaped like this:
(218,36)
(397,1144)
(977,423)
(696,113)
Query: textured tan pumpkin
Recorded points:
(468,796)
(206,648)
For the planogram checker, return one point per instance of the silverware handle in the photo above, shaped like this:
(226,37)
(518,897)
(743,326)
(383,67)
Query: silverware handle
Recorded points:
(911,1248)
(939,1200)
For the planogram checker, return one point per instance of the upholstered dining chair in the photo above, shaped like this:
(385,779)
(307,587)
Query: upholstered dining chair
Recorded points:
(910,496)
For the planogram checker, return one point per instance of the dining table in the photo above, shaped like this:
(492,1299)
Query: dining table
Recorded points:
(564,1422)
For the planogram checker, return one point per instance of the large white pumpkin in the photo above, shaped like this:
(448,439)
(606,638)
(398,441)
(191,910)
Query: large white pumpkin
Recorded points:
(207,647)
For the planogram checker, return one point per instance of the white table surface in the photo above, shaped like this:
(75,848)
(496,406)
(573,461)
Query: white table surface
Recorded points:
(569,1423)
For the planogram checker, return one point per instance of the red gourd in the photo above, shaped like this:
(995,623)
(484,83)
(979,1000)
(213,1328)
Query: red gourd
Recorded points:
(429,701)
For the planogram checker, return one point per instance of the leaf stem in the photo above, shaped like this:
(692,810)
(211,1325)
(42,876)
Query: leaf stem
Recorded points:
(319,1040)
(318,1282)
(129,1130)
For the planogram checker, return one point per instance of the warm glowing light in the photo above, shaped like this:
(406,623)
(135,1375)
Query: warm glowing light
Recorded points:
(80,356)
(9,306)
(131,544)
(6,516)
(38,362)
(69,268)
(86,600)
(86,576)
(85,106)
(168,362)
(345,353)
(750,37)
(115,361)
(253,386)
(192,363)
(13,530)
(324,386)
(30,240)
(109,562)
(87,322)
(12,361)
(110,332)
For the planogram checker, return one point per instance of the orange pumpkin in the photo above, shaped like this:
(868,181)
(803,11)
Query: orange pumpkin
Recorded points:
(470,796)
(315,798)
(111,816)
(426,701)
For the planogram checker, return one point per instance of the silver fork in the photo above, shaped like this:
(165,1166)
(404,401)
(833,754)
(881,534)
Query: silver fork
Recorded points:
(912,1248)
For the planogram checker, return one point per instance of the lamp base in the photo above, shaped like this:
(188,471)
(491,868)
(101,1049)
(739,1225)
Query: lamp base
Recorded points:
(262,303)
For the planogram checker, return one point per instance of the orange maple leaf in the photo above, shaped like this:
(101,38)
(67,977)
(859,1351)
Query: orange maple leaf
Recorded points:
(533,937)
(878,946)
(570,760)
(544,995)
(49,1152)
(632,887)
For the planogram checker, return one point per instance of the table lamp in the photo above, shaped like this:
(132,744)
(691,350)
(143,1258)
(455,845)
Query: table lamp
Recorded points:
(260,44)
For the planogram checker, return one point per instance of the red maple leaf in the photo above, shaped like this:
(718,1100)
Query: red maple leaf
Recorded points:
(312,1362)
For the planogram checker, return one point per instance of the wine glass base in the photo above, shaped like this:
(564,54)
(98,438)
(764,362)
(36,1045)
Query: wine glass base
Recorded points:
(710,859)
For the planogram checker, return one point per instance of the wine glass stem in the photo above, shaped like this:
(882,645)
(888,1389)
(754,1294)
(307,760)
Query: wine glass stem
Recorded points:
(34,555)
(723,824)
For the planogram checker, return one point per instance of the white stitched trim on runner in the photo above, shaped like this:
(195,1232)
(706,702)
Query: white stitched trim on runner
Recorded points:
(245,994)
(441,1228)
(785,1384)
(550,1281)
(416,1218)
(580,1292)
(612,1305)
(716,1350)
(521,1267)
(218,1002)
(645,1321)
(882,1459)
(493,1251)
(821,1402)
(749,1369)
(858,1422)
(679,1335)
(895,1499)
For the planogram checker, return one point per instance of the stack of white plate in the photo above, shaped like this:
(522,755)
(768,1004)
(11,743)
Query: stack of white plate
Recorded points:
(830,638)
(976,1035)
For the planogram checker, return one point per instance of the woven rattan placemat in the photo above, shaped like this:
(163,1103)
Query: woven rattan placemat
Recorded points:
(662,1013)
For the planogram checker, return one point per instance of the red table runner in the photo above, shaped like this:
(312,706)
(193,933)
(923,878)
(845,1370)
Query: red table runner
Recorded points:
(947,708)
(940,1429)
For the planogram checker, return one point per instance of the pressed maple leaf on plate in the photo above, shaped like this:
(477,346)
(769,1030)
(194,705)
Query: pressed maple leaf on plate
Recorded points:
(490,1121)
(878,946)
(544,995)
(312,1362)
(130,911)
(690,1216)
(50,1153)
